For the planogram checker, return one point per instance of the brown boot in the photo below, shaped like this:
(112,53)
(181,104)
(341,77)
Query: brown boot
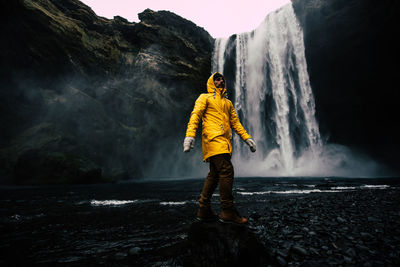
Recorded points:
(232,216)
(205,214)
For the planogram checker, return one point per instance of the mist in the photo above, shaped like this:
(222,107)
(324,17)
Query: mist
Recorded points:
(333,160)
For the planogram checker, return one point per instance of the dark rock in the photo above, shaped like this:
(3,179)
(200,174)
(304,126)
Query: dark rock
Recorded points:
(281,261)
(372,219)
(134,251)
(216,244)
(362,248)
(36,167)
(287,244)
(366,236)
(297,237)
(120,256)
(314,251)
(281,253)
(106,87)
(340,220)
(255,216)
(351,252)
(287,230)
(347,259)
(339,243)
(299,250)
(352,58)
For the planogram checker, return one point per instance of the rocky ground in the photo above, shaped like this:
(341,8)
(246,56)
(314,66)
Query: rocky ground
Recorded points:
(358,228)
(63,225)
(353,228)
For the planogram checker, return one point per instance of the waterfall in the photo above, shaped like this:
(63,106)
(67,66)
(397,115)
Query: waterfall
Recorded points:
(272,96)
(218,55)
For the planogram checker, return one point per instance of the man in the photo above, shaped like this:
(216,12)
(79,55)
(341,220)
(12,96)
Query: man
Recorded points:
(218,117)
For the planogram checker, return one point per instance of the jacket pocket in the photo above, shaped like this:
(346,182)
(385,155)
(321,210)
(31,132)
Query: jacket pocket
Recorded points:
(209,133)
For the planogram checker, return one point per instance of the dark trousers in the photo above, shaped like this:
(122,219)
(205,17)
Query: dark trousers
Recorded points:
(221,171)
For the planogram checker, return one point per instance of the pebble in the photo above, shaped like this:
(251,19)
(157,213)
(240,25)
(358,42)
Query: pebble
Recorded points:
(351,252)
(134,251)
(314,251)
(120,256)
(347,259)
(341,220)
(366,235)
(299,250)
(281,253)
(255,216)
(372,219)
(281,261)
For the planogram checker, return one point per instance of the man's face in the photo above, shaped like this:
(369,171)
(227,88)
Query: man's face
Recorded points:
(219,82)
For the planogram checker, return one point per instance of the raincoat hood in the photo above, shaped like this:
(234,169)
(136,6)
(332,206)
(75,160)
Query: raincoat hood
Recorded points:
(211,86)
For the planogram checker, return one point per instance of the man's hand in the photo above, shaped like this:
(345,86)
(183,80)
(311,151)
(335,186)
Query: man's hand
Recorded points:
(188,144)
(250,142)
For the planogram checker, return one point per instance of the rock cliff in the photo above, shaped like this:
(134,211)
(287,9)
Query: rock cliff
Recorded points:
(352,56)
(93,89)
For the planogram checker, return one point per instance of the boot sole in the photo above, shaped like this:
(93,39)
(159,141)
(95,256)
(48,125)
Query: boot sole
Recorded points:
(206,220)
(232,222)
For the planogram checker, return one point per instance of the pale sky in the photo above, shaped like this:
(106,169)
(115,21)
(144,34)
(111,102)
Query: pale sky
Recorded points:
(221,18)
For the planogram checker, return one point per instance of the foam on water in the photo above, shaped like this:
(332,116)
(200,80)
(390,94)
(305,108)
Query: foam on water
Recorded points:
(114,202)
(334,189)
(173,203)
(384,186)
(288,192)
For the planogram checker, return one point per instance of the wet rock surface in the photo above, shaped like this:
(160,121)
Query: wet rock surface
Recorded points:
(152,224)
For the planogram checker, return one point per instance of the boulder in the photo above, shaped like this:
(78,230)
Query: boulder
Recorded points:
(217,244)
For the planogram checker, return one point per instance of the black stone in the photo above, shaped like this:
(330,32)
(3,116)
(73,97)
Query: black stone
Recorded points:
(217,244)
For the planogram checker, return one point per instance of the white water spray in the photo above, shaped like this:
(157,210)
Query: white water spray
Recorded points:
(218,55)
(273,96)
(267,74)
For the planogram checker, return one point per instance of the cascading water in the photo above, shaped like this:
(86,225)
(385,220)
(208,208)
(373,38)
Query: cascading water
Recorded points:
(272,96)
(218,55)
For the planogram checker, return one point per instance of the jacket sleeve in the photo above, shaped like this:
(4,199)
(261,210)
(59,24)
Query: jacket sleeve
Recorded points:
(236,125)
(196,115)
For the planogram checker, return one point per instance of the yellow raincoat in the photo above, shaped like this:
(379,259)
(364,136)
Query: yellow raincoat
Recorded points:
(218,116)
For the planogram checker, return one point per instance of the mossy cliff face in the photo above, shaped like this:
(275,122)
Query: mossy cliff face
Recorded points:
(352,56)
(105,91)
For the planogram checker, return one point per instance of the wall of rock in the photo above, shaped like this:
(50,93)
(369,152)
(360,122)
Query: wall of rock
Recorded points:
(352,56)
(83,86)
